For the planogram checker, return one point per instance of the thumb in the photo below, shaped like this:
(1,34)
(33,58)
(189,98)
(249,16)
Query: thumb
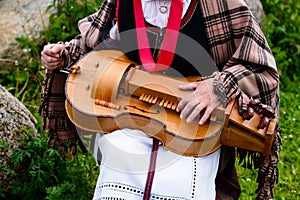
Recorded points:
(57,48)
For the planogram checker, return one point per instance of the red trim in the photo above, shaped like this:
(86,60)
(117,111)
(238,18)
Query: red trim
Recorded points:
(117,13)
(189,13)
(170,40)
(151,171)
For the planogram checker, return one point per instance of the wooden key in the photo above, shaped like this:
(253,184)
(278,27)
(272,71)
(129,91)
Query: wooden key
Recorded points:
(166,103)
(174,106)
(154,101)
(161,103)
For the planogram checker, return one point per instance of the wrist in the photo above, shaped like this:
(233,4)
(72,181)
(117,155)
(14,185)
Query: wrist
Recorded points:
(219,89)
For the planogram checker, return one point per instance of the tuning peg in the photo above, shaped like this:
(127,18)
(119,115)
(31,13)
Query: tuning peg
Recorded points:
(249,112)
(74,69)
(268,113)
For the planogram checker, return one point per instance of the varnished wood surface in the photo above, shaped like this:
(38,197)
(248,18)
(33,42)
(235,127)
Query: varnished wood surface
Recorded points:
(109,77)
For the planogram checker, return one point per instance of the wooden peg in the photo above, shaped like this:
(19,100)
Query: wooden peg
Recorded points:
(62,54)
(249,112)
(268,113)
(74,69)
(107,104)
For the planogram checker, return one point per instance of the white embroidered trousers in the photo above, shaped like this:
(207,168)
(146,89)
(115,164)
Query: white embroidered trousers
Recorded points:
(125,163)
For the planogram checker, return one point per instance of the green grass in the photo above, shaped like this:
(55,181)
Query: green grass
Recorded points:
(288,187)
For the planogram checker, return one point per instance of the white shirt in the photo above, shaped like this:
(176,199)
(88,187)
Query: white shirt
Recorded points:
(152,14)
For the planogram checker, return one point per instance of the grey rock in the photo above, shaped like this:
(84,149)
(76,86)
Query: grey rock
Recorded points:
(16,121)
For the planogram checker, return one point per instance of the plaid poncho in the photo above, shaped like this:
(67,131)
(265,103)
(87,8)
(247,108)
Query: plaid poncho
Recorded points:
(239,46)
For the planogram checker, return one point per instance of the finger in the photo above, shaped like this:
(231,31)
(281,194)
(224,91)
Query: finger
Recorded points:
(49,60)
(182,103)
(50,67)
(188,108)
(188,86)
(205,116)
(53,50)
(51,63)
(195,114)
(47,49)
(57,49)
(48,46)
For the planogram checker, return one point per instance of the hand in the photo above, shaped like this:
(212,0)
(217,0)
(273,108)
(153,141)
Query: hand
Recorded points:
(202,99)
(50,56)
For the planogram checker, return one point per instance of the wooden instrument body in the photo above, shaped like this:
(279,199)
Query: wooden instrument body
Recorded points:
(110,93)
(244,133)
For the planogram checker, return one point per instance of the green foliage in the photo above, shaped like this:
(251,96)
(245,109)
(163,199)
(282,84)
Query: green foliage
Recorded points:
(26,80)
(82,175)
(283,33)
(281,27)
(42,173)
(36,166)
(63,23)
(289,166)
(23,81)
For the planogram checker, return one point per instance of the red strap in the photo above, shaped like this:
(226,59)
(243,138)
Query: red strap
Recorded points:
(151,171)
(170,40)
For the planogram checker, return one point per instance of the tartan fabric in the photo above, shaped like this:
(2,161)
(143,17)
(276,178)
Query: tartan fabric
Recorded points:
(61,132)
(91,29)
(237,44)
(268,171)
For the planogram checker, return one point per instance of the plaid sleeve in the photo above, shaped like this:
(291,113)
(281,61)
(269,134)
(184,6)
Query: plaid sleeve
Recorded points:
(239,46)
(91,28)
